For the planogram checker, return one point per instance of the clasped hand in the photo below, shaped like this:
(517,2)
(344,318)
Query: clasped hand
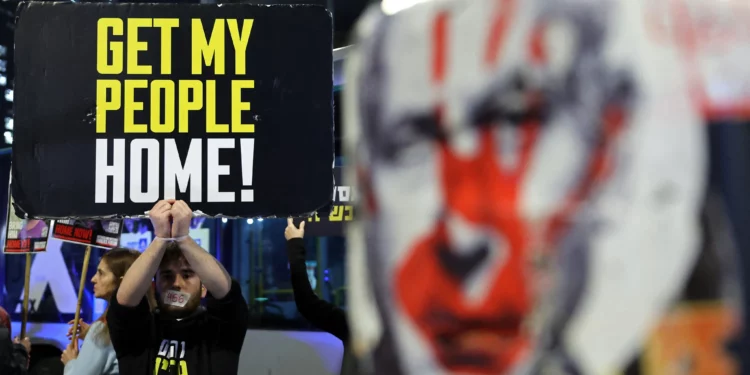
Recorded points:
(171,218)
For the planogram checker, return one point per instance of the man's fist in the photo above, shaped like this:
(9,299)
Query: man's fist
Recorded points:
(161,218)
(182,215)
(292,231)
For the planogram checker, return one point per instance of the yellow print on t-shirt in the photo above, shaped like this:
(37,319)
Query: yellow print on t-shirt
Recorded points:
(168,357)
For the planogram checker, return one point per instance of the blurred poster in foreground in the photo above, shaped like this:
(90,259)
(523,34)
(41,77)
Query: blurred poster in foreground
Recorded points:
(686,341)
(714,44)
(541,192)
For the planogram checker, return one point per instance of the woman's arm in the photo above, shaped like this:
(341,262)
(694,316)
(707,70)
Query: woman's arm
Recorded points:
(320,313)
(93,356)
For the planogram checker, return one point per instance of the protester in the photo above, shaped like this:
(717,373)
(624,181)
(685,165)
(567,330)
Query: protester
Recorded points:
(320,313)
(14,355)
(181,336)
(97,355)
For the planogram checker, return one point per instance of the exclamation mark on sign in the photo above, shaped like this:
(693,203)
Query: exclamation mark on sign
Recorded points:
(247,150)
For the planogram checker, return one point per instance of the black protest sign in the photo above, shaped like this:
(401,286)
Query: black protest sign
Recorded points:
(104,233)
(332,224)
(119,105)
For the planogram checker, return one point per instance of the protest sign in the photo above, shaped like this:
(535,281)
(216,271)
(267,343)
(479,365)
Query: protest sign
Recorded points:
(104,234)
(136,241)
(202,236)
(226,107)
(342,211)
(22,235)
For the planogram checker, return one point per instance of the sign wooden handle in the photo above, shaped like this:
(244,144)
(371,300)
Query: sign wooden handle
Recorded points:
(25,307)
(81,286)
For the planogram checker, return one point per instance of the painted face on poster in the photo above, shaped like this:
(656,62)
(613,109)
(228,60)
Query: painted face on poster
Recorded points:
(171,103)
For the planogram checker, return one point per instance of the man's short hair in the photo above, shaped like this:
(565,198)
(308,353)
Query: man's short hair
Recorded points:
(172,254)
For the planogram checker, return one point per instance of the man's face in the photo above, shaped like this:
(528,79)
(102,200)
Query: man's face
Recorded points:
(179,276)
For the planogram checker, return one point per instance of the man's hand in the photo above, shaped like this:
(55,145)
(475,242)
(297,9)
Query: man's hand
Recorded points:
(25,342)
(182,215)
(161,217)
(292,231)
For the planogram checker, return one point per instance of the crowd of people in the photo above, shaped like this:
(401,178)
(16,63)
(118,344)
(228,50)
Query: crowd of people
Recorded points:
(172,309)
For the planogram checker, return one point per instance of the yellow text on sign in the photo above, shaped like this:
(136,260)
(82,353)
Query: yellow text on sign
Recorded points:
(338,213)
(181,97)
(115,55)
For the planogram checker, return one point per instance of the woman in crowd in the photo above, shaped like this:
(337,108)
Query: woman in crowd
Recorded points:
(97,356)
(322,314)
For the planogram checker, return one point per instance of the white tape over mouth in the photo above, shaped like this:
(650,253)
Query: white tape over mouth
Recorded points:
(176,298)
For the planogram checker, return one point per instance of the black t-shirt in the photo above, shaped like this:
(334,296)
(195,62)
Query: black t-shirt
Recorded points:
(206,343)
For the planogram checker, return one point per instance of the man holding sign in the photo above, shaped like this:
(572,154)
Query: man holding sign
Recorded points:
(181,336)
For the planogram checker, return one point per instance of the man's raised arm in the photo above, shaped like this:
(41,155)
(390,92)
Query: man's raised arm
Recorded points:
(209,270)
(138,279)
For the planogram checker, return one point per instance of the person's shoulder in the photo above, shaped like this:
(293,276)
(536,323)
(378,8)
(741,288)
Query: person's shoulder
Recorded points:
(96,326)
(207,322)
(98,335)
